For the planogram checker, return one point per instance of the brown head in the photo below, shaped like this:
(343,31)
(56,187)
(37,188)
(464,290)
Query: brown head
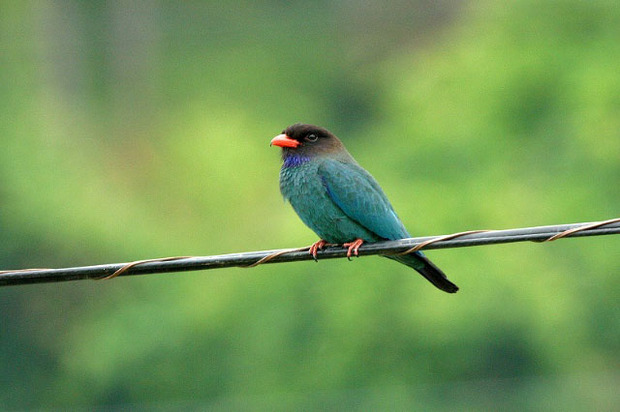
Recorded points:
(307,140)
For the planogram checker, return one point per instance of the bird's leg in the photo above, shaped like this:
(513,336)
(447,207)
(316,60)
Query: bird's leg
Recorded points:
(316,246)
(353,247)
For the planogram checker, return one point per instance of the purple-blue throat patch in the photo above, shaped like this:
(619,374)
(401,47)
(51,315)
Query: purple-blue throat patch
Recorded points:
(295,160)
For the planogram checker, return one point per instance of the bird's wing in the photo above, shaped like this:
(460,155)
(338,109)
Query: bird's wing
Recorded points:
(360,197)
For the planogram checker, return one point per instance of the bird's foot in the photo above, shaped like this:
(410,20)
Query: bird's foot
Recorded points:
(319,245)
(353,247)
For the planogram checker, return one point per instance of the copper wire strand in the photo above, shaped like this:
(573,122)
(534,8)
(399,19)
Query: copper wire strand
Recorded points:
(271,256)
(439,239)
(139,262)
(274,255)
(581,228)
(167,259)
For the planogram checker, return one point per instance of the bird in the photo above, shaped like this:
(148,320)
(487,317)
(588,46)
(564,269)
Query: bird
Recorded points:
(339,200)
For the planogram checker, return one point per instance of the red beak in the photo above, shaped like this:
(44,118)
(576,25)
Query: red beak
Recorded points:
(283,140)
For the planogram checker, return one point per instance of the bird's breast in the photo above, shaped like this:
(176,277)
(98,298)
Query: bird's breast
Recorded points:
(300,182)
(303,187)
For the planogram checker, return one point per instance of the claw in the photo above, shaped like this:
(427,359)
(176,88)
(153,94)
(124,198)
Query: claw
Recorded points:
(353,247)
(315,247)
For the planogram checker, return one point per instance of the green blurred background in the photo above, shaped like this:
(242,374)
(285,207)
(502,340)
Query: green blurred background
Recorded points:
(135,130)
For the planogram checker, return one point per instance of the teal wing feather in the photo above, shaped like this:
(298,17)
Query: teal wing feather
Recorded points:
(361,198)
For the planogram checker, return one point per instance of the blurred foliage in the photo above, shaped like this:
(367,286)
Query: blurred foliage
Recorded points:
(138,130)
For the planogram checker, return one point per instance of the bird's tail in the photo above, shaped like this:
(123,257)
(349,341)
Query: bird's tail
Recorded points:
(427,269)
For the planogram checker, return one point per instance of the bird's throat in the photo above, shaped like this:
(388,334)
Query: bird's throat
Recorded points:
(294,160)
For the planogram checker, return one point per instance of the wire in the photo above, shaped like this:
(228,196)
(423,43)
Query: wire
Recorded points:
(251,259)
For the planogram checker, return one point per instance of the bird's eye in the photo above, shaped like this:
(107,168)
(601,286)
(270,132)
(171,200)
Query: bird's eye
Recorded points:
(312,137)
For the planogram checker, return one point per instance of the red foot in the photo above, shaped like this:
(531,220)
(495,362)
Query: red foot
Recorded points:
(317,246)
(353,247)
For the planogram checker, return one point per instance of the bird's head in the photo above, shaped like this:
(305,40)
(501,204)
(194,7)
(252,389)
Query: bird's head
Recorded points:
(307,140)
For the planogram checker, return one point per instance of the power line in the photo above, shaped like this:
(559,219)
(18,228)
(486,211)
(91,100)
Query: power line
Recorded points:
(250,259)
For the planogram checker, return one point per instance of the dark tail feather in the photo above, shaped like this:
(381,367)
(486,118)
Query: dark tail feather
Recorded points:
(427,269)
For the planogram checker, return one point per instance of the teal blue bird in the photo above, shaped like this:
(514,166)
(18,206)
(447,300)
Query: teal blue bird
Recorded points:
(339,200)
